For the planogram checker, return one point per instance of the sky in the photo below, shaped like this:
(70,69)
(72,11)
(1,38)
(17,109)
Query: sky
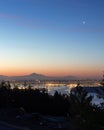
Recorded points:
(52,37)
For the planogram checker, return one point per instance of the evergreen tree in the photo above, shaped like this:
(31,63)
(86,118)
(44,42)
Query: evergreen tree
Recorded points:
(81,108)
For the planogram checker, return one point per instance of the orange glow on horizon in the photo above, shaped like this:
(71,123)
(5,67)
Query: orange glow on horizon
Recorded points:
(79,71)
(50,72)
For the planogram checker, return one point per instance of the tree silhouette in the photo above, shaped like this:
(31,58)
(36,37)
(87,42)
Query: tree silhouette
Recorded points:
(81,107)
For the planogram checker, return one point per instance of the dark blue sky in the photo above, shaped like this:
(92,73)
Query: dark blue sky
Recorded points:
(53,37)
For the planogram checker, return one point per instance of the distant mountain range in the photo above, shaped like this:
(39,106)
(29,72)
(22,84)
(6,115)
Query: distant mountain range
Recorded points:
(35,76)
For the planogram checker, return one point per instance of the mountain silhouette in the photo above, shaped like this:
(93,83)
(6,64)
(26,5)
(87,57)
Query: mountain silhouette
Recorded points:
(35,76)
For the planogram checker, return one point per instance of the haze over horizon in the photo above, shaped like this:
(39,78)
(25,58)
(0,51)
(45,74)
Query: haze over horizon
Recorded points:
(36,76)
(52,37)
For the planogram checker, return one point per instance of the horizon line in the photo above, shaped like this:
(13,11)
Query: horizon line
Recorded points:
(74,76)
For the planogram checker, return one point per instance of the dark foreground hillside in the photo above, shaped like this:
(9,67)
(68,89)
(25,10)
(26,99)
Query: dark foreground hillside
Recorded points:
(33,108)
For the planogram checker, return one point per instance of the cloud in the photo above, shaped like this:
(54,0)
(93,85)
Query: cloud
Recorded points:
(25,22)
(21,19)
(42,24)
(2,15)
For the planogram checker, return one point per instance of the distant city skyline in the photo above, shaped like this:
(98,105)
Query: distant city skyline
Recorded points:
(52,37)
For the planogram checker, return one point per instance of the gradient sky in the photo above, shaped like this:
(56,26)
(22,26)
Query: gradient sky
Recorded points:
(52,37)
